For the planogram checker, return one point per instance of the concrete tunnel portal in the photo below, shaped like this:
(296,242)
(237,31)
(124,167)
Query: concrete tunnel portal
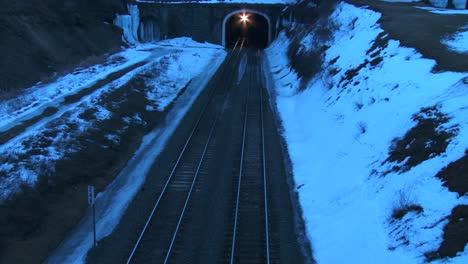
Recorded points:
(251,25)
(220,24)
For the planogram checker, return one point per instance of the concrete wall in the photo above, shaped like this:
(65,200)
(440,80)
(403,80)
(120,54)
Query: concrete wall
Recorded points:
(202,22)
(458,4)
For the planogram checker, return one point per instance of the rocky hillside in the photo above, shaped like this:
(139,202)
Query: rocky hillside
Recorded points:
(41,37)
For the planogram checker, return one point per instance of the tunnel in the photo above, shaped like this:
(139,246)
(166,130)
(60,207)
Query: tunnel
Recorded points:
(250,26)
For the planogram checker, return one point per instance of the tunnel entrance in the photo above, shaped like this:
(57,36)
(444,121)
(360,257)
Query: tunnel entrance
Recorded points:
(249,25)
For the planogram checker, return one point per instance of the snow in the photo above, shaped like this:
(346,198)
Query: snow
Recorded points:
(181,70)
(186,64)
(186,42)
(55,88)
(442,11)
(41,96)
(439,5)
(338,135)
(459,41)
(60,144)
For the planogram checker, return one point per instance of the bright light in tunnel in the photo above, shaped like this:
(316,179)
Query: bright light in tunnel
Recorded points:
(244,18)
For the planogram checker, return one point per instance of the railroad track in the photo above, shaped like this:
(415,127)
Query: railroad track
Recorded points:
(250,236)
(156,241)
(247,230)
(218,193)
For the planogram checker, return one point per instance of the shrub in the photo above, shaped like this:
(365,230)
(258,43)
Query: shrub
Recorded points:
(404,205)
(306,63)
(306,57)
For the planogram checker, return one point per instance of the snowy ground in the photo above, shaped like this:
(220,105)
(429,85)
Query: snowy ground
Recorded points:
(459,41)
(443,11)
(186,42)
(35,151)
(339,132)
(35,99)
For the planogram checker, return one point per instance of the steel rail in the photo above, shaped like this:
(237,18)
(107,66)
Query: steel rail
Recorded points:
(196,175)
(241,171)
(264,176)
(166,259)
(193,183)
(202,113)
(242,46)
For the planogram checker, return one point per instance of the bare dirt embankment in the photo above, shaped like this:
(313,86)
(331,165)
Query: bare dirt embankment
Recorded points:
(41,37)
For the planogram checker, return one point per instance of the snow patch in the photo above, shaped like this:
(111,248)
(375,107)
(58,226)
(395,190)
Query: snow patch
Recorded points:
(458,42)
(186,42)
(443,11)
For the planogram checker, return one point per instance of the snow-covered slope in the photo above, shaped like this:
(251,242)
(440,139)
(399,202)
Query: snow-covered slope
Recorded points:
(170,68)
(368,188)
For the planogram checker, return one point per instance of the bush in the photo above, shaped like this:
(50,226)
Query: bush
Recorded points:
(310,11)
(306,63)
(404,205)
(306,59)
